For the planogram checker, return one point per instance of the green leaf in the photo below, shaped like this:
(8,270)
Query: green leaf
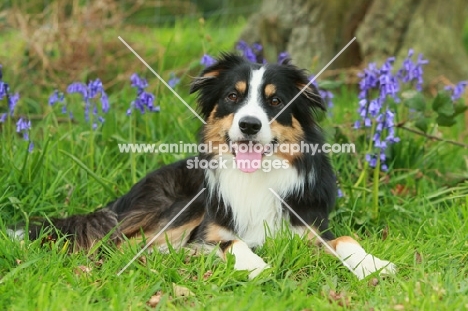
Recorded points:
(444,120)
(422,124)
(459,108)
(443,104)
(417,102)
(329,84)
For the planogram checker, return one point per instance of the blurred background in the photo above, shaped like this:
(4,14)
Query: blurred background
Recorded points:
(51,40)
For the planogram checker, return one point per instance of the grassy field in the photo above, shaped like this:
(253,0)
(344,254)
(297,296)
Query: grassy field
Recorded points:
(421,224)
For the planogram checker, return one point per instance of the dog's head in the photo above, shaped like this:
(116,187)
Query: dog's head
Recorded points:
(241,101)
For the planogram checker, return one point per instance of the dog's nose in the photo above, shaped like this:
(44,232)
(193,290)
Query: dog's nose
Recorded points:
(250,125)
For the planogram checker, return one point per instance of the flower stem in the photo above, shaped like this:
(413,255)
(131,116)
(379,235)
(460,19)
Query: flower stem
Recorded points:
(132,155)
(362,176)
(375,190)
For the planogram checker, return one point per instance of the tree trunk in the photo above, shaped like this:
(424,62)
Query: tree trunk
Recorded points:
(314,31)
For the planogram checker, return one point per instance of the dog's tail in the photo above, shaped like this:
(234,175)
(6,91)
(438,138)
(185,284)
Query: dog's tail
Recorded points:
(82,230)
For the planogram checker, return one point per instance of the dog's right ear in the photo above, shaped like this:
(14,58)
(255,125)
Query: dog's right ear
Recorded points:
(211,73)
(208,75)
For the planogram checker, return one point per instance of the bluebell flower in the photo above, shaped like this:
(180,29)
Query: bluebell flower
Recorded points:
(326,95)
(339,192)
(12,101)
(144,100)
(173,81)
(207,60)
(3,89)
(282,57)
(376,85)
(138,82)
(105,103)
(56,97)
(248,51)
(78,87)
(23,126)
(411,71)
(457,90)
(31,146)
(89,93)
(257,47)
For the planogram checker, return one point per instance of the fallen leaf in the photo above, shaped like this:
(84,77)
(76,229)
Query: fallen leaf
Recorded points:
(417,257)
(207,275)
(373,282)
(154,300)
(385,233)
(181,291)
(340,298)
(99,263)
(82,270)
(142,259)
(399,307)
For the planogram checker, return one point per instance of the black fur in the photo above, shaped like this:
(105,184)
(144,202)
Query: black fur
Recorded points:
(158,197)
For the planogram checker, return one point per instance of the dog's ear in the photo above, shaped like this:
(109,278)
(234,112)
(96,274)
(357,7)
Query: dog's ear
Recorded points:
(211,73)
(312,94)
(207,76)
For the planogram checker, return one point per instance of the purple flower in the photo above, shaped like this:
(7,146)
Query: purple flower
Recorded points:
(12,101)
(89,93)
(56,97)
(411,71)
(78,87)
(376,85)
(247,51)
(23,126)
(144,100)
(104,102)
(31,146)
(94,87)
(326,95)
(257,47)
(457,90)
(207,60)
(282,57)
(138,82)
(3,89)
(340,193)
(173,81)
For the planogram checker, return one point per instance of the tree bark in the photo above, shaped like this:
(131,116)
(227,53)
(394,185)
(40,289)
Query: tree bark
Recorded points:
(314,31)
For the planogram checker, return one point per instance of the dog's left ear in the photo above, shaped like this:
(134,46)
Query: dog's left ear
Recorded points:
(312,94)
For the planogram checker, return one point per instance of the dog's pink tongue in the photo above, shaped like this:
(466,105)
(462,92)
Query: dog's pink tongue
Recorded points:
(248,161)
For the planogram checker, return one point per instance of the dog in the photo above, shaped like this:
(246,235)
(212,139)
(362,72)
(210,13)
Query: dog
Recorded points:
(233,207)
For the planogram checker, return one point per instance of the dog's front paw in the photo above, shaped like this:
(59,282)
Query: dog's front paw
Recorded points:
(252,263)
(247,260)
(370,264)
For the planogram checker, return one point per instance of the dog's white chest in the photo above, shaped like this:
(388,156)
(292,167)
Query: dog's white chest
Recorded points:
(256,210)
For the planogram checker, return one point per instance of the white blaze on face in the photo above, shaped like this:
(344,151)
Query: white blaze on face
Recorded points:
(248,159)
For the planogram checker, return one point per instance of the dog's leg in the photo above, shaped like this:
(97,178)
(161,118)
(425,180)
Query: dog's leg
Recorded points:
(228,243)
(246,259)
(361,263)
(352,254)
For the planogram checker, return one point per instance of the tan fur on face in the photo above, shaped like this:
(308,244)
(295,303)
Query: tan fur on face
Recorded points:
(270,90)
(216,128)
(241,87)
(288,135)
(209,74)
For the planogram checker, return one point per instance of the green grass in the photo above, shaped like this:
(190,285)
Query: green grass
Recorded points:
(73,169)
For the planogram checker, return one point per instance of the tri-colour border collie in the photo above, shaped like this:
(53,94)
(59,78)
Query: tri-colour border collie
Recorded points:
(239,101)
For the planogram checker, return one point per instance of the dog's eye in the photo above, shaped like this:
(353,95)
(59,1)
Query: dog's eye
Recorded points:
(275,101)
(232,97)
